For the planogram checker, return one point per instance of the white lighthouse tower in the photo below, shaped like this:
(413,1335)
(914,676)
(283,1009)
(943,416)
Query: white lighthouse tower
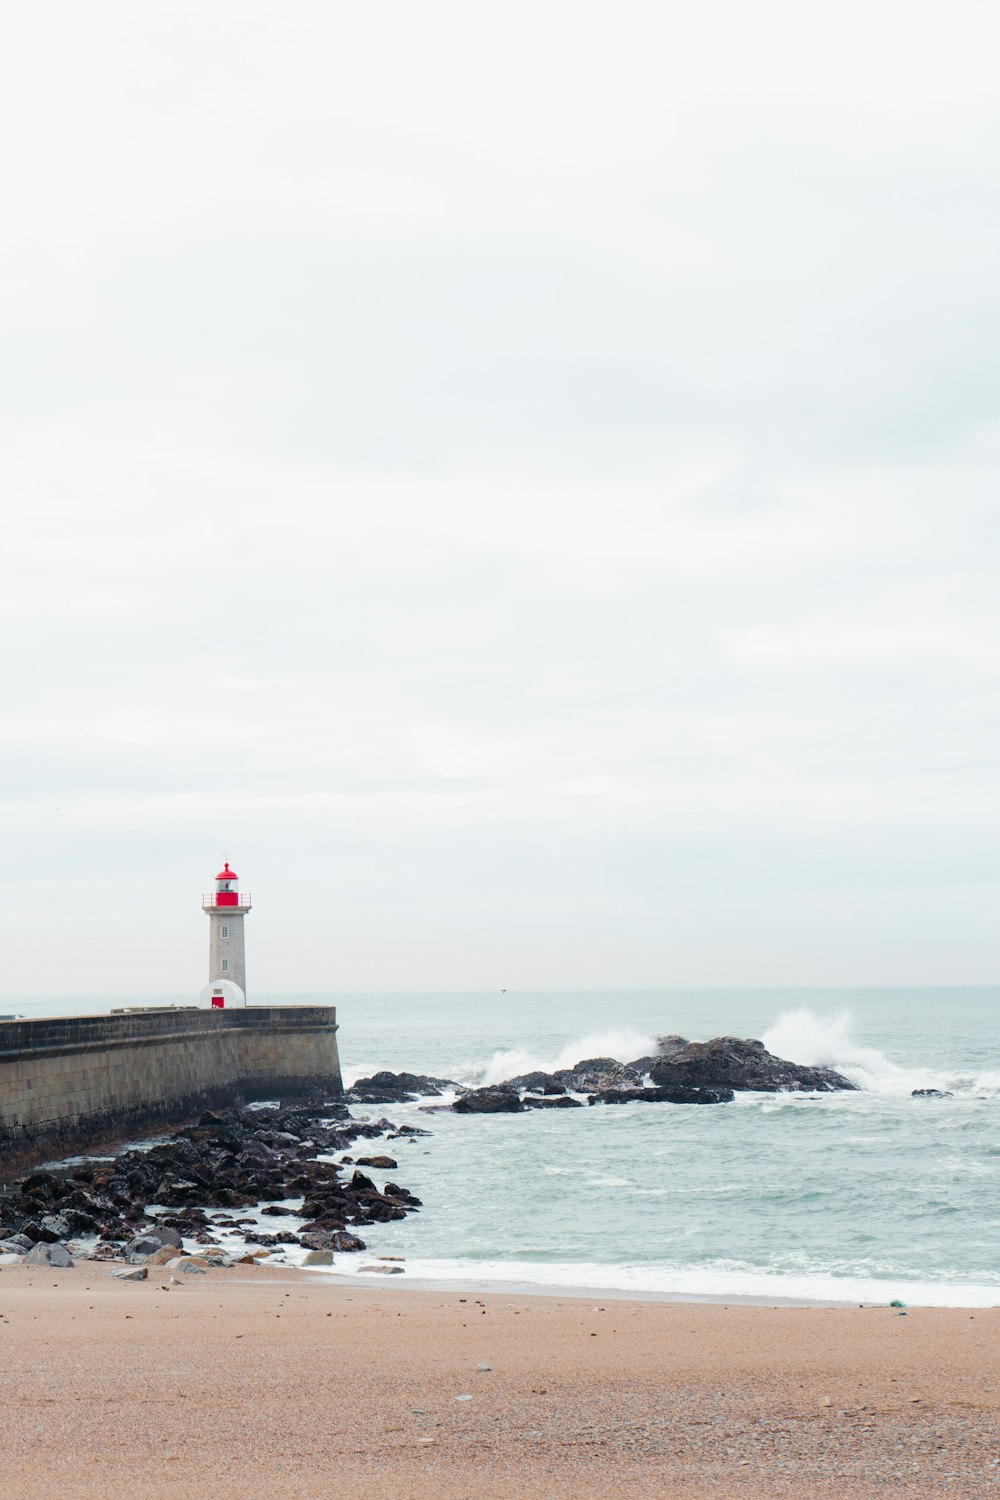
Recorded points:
(227,966)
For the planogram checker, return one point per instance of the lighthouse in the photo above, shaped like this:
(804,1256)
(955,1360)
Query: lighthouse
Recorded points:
(227,968)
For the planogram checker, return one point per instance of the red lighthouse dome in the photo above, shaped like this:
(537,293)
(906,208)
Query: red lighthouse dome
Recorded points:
(227,887)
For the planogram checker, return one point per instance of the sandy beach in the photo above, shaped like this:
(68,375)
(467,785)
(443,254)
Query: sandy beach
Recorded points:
(248,1381)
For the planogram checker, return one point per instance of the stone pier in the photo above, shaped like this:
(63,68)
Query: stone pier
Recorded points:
(67,1085)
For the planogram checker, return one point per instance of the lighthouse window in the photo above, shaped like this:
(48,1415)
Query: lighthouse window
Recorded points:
(225,966)
(225,932)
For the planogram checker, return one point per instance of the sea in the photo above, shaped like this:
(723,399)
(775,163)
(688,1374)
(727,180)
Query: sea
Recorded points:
(872,1196)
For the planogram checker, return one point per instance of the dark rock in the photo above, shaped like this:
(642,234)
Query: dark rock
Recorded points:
(80,1222)
(346,1242)
(385,1163)
(662,1096)
(372,1208)
(931,1094)
(665,1046)
(317,1239)
(257,1151)
(31,1204)
(597,1073)
(325,1222)
(392,1088)
(401,1194)
(561,1101)
(641,1066)
(54,1227)
(670,1043)
(740,1063)
(536,1083)
(491,1101)
(237,1160)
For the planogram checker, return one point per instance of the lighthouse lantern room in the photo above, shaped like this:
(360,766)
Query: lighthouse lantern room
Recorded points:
(226,909)
(227,887)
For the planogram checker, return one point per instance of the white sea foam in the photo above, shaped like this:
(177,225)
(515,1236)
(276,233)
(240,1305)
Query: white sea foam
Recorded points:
(714,1283)
(801,1036)
(623,1043)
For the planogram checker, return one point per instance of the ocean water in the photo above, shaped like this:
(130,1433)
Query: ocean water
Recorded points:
(848,1197)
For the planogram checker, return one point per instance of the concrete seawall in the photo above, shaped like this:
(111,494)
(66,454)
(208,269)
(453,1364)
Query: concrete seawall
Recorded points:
(66,1085)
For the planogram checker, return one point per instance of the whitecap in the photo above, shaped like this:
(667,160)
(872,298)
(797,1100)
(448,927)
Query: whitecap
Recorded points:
(801,1036)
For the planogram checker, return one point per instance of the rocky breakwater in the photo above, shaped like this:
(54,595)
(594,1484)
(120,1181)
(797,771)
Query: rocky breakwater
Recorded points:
(742,1064)
(679,1072)
(145,1203)
(400,1088)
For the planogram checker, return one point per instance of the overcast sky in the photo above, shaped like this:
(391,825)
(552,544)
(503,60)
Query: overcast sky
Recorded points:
(522,480)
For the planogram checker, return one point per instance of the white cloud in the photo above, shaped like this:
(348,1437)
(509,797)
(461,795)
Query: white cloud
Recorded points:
(522,482)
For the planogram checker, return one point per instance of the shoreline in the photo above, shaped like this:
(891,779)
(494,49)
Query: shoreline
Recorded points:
(562,1291)
(253,1378)
(514,1286)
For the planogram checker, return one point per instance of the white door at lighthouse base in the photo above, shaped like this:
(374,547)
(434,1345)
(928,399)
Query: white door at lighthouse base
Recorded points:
(222,994)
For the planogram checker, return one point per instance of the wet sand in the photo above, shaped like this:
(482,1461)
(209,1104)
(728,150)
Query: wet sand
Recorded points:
(250,1382)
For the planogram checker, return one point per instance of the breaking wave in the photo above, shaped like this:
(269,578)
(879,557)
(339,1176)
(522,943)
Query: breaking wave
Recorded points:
(623,1043)
(828,1042)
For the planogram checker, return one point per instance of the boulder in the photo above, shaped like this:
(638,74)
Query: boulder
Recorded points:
(393,1088)
(384,1163)
(654,1095)
(237,1159)
(145,1245)
(49,1254)
(318,1258)
(597,1073)
(17,1244)
(743,1064)
(54,1227)
(546,1101)
(403,1195)
(316,1239)
(344,1241)
(489,1101)
(186,1265)
(81,1222)
(162,1256)
(536,1083)
(931,1094)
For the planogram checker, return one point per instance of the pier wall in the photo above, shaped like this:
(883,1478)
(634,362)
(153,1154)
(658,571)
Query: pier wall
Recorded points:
(68,1084)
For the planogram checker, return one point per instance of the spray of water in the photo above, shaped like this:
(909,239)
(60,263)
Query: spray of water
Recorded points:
(624,1043)
(828,1042)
